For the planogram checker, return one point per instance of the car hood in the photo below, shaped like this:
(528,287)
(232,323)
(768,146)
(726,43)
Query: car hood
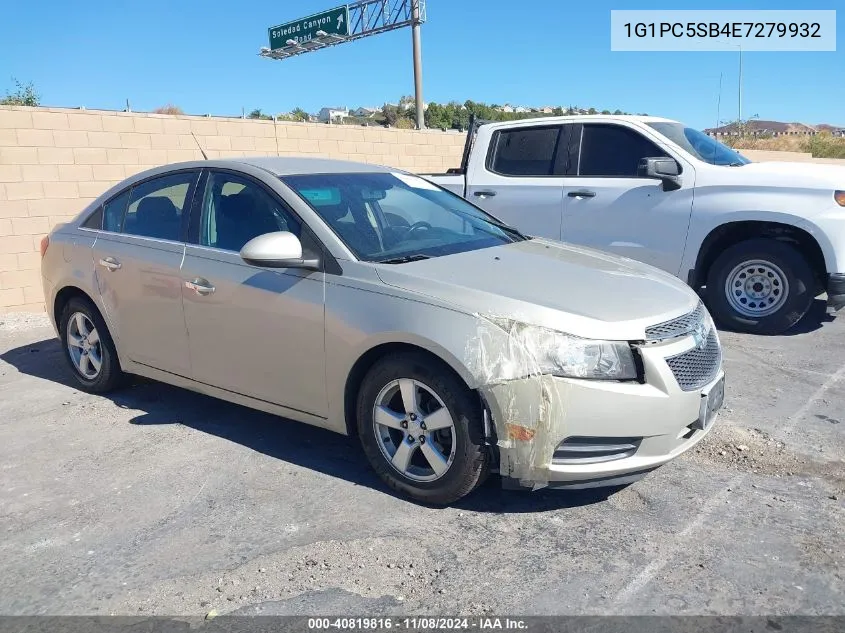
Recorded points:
(569,288)
(811,175)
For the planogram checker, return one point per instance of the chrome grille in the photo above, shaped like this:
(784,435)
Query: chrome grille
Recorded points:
(695,368)
(676,327)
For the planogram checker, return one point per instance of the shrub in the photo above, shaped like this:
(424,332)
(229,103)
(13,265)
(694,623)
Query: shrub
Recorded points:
(24,95)
(169,109)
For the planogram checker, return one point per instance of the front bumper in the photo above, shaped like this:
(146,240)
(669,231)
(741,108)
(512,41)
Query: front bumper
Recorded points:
(836,290)
(534,415)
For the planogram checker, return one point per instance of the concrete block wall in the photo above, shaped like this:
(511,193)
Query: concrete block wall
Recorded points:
(54,161)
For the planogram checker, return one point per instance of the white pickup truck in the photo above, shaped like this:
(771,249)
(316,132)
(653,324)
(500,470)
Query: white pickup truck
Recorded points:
(759,241)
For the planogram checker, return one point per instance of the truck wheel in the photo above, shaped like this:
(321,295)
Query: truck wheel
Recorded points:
(760,286)
(421,429)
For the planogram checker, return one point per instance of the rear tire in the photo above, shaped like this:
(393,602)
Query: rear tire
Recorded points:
(431,449)
(88,347)
(760,286)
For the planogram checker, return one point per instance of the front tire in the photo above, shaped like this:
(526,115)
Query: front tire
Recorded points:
(88,347)
(760,286)
(421,429)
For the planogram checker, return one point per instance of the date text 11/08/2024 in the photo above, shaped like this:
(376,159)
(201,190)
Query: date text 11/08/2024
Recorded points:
(416,623)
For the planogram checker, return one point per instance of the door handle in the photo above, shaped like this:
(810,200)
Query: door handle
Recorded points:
(111,263)
(200,286)
(484,194)
(582,193)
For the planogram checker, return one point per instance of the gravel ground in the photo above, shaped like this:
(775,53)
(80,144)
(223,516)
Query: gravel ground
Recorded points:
(156,500)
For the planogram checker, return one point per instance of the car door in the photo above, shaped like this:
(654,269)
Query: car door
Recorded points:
(607,206)
(253,331)
(137,256)
(519,180)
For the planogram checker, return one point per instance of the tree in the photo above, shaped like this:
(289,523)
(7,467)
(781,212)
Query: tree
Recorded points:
(298,114)
(617,112)
(24,95)
(257,114)
(591,111)
(605,111)
(390,114)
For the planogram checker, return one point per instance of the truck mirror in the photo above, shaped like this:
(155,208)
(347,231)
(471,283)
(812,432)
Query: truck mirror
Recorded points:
(664,169)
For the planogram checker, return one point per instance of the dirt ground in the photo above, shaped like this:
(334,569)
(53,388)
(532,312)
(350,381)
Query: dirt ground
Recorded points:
(155,500)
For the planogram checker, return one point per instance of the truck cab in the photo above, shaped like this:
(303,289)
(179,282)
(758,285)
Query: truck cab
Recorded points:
(759,241)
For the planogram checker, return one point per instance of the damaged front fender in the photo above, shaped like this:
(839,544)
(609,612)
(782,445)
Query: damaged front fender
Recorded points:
(525,403)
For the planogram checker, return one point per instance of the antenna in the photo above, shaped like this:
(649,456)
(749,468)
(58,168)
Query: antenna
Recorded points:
(202,151)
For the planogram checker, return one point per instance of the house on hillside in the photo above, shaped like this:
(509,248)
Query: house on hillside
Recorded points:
(331,115)
(363,112)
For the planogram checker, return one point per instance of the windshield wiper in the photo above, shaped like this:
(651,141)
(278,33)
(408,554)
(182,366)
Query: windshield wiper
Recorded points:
(404,259)
(735,164)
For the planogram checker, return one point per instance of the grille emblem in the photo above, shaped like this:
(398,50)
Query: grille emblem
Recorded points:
(699,334)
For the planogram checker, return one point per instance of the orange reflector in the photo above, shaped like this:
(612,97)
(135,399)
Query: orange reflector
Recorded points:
(45,242)
(521,433)
(839,196)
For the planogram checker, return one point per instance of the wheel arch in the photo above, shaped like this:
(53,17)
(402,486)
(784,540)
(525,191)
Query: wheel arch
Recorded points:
(730,233)
(373,355)
(64,295)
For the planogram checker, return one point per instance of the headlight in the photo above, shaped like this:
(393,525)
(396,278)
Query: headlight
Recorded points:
(839,196)
(559,354)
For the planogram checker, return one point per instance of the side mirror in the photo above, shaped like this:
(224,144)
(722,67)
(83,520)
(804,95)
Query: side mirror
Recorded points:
(664,169)
(276,250)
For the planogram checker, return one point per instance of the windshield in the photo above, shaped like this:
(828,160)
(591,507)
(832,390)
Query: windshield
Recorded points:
(396,217)
(700,145)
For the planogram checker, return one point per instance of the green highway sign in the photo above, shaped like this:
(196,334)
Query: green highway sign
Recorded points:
(332,22)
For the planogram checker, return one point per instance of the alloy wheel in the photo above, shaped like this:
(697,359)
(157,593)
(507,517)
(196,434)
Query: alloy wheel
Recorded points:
(414,430)
(84,346)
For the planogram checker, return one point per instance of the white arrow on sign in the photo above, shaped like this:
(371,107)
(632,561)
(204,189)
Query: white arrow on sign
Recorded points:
(339,21)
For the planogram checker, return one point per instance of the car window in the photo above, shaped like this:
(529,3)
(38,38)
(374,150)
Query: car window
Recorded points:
(236,209)
(402,209)
(155,206)
(95,220)
(524,151)
(390,216)
(614,150)
(114,210)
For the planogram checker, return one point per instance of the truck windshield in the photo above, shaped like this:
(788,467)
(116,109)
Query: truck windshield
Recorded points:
(700,145)
(396,218)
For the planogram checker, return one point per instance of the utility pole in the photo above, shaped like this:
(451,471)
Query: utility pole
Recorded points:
(415,38)
(740,83)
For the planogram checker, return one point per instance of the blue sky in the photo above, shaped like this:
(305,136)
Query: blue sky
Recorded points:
(202,56)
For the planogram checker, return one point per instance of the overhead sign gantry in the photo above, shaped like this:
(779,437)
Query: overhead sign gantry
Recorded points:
(347,23)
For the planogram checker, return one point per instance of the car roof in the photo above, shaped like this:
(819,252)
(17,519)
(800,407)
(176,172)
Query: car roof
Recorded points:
(290,165)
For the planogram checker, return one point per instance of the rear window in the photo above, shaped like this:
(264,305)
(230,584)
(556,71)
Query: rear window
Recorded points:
(524,151)
(155,207)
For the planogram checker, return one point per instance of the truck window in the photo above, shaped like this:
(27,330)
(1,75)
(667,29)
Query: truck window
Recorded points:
(613,150)
(527,151)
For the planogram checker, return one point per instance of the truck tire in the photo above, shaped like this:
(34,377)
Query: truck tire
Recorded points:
(760,286)
(436,463)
